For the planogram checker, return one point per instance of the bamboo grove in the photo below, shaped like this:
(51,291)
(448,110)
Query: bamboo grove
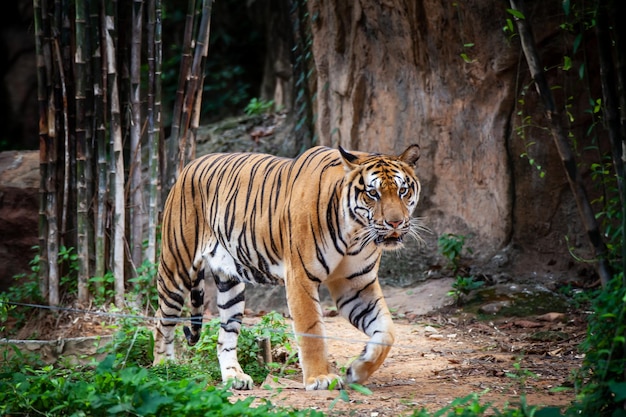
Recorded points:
(104,162)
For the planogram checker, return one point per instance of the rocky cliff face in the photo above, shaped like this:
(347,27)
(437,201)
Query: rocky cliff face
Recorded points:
(19,210)
(446,76)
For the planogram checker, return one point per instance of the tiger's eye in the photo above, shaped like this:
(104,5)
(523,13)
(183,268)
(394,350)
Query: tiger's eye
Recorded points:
(372,193)
(403,190)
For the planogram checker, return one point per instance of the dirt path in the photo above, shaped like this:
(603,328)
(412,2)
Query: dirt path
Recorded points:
(437,360)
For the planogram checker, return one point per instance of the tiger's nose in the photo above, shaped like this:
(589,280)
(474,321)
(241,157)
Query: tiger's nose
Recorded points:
(394,223)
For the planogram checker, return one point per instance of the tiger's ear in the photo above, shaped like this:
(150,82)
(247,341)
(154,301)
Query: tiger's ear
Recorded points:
(411,155)
(349,160)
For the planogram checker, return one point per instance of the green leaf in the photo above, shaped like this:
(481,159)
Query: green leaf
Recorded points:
(567,63)
(152,402)
(509,26)
(577,42)
(619,389)
(548,412)
(466,58)
(516,13)
(581,71)
(360,388)
(566,7)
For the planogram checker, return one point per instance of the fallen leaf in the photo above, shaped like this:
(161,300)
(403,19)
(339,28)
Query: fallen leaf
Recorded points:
(527,324)
(552,317)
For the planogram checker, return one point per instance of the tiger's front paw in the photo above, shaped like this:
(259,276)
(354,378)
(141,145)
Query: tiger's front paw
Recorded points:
(238,379)
(359,371)
(322,382)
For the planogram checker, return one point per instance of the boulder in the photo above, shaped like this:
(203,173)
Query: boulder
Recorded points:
(19,211)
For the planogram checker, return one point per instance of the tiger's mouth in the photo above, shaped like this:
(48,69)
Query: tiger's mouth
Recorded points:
(391,240)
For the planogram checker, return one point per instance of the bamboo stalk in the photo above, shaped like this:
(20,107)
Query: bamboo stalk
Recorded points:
(44,139)
(153,113)
(194,87)
(136,201)
(560,140)
(202,49)
(117,151)
(82,214)
(63,59)
(99,91)
(172,160)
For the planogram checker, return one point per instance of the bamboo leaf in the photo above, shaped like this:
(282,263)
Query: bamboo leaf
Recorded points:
(516,13)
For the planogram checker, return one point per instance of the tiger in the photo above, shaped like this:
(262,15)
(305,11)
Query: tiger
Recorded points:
(323,217)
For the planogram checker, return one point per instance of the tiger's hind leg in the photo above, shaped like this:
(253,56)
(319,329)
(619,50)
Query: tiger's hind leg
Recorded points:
(173,290)
(171,302)
(231,303)
(197,310)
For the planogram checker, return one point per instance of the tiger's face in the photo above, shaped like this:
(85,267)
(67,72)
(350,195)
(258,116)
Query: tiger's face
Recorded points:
(383,194)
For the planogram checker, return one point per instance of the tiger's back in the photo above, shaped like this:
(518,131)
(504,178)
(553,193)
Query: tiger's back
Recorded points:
(262,219)
(231,210)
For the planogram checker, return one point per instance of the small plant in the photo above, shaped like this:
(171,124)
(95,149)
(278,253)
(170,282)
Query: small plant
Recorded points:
(462,286)
(271,326)
(132,345)
(520,375)
(144,287)
(451,247)
(256,107)
(102,288)
(5,307)
(67,257)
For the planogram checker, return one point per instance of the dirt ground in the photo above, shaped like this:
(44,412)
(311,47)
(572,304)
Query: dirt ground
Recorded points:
(438,358)
(441,353)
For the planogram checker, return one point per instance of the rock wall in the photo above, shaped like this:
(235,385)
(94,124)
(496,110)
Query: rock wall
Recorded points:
(446,76)
(19,210)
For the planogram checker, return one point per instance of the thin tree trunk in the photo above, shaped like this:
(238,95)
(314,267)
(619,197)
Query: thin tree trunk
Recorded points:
(99,74)
(117,151)
(154,119)
(202,50)
(173,165)
(136,191)
(82,208)
(44,140)
(304,76)
(560,139)
(63,58)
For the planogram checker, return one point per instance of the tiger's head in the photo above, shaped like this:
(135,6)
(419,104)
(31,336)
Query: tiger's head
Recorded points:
(382,194)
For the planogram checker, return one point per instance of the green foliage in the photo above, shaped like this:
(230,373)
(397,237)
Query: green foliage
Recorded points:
(471,406)
(462,286)
(25,290)
(609,213)
(68,260)
(258,107)
(28,288)
(236,53)
(272,326)
(102,289)
(451,247)
(601,377)
(5,307)
(520,374)
(109,389)
(132,344)
(144,286)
